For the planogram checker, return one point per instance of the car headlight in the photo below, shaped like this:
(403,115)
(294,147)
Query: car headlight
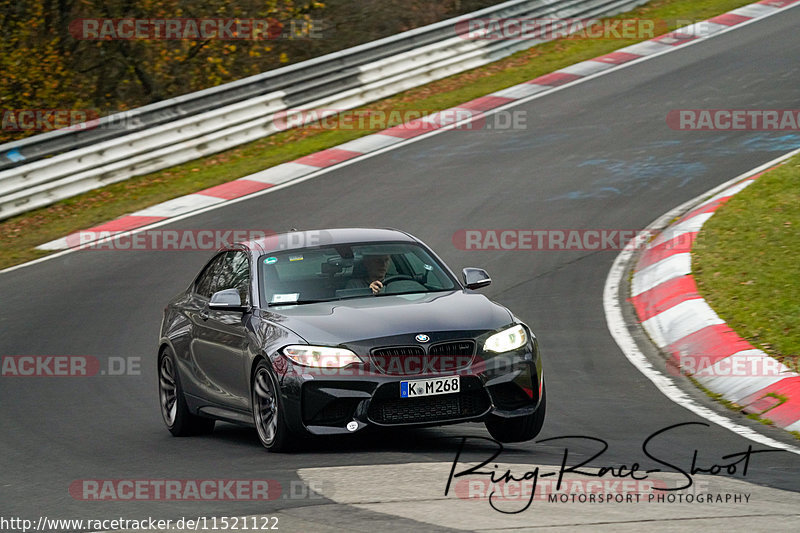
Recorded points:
(507,340)
(320,356)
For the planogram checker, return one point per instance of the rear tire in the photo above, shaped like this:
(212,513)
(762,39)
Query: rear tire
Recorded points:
(521,428)
(268,412)
(180,422)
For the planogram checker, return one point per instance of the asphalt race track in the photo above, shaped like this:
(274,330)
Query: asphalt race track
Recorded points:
(598,155)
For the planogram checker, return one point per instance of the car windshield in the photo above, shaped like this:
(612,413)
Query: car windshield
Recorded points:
(345,271)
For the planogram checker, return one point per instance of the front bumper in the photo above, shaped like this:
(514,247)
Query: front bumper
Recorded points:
(348,400)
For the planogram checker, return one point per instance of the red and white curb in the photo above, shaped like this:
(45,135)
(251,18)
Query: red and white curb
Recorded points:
(305,166)
(696,339)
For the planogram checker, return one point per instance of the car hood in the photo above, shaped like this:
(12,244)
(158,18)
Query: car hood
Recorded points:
(344,321)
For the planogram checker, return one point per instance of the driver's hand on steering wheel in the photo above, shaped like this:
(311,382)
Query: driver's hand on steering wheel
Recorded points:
(376,286)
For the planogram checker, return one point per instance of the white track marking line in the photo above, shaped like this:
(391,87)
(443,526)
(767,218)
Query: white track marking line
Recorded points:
(619,329)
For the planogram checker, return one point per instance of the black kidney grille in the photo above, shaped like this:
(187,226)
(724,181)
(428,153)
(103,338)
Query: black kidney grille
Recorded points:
(413,361)
(394,351)
(453,348)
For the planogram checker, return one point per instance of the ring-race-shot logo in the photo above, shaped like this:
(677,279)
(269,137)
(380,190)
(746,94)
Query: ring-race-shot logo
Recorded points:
(507,495)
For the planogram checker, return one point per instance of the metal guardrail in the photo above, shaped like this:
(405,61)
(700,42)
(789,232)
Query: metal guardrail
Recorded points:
(43,169)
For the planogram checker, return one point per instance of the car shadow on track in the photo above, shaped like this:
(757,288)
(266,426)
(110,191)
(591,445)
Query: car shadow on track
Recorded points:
(376,440)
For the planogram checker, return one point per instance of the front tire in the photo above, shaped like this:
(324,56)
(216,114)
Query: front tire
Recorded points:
(174,411)
(518,429)
(268,413)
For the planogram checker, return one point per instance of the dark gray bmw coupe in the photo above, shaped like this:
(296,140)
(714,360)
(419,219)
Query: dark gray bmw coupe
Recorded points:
(331,331)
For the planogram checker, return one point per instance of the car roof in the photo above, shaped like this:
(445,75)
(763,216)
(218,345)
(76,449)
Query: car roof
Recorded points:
(293,240)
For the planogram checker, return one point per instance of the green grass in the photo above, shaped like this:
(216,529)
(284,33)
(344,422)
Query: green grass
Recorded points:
(757,418)
(20,235)
(747,263)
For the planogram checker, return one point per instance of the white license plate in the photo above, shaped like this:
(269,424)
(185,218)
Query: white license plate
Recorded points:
(430,387)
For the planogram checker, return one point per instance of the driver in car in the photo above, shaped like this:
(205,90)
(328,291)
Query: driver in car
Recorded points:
(375,267)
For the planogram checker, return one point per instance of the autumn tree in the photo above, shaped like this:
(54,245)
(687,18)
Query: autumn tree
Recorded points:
(45,64)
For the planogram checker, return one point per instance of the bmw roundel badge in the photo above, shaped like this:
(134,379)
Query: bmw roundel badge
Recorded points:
(422,338)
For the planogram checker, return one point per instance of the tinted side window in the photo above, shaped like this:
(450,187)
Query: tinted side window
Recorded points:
(229,270)
(206,282)
(238,274)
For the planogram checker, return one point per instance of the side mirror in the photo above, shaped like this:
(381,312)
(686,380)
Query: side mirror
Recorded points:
(475,278)
(227,300)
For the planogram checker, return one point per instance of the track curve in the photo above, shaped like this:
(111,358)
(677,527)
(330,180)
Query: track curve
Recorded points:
(596,155)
